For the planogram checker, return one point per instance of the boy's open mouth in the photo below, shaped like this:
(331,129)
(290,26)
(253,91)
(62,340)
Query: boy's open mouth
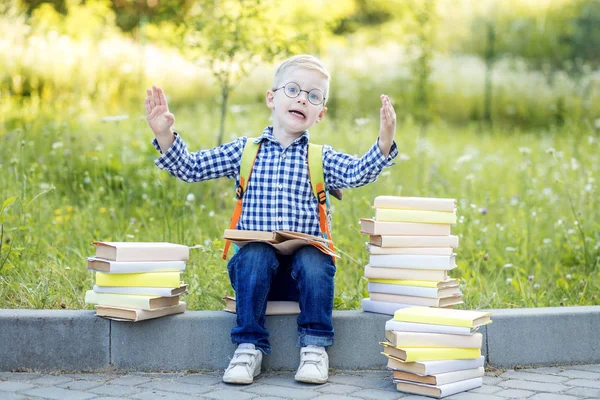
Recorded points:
(298,114)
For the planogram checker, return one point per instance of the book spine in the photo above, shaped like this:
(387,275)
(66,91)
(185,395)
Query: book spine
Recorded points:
(393,325)
(412,261)
(415,203)
(408,274)
(433,340)
(127,267)
(118,300)
(147,279)
(440,353)
(141,291)
(402,290)
(419,216)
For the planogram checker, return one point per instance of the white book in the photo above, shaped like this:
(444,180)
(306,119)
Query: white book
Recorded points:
(382,307)
(404,340)
(441,390)
(393,325)
(374,287)
(127,267)
(415,203)
(144,291)
(439,379)
(424,368)
(412,261)
(130,300)
(425,251)
(418,301)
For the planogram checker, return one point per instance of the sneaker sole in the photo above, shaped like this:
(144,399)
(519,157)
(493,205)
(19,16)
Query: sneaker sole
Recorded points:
(242,381)
(311,380)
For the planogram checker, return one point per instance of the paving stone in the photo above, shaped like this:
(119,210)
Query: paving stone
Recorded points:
(334,388)
(8,386)
(579,374)
(58,393)
(108,398)
(584,392)
(226,394)
(491,380)
(80,385)
(114,390)
(334,397)
(91,377)
(544,370)
(535,386)
(362,382)
(584,383)
(51,380)
(14,396)
(471,396)
(130,380)
(280,391)
(157,394)
(284,380)
(205,380)
(591,367)
(177,387)
(374,394)
(485,389)
(552,396)
(18,376)
(515,393)
(528,376)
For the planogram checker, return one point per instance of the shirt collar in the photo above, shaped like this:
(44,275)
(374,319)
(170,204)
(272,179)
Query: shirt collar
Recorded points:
(268,135)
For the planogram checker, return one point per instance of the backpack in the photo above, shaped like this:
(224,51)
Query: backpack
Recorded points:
(315,176)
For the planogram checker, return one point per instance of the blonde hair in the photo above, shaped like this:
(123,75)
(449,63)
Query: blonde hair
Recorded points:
(305,61)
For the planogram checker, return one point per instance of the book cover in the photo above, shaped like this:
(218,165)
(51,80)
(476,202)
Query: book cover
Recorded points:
(127,267)
(433,367)
(408,274)
(393,325)
(441,390)
(420,339)
(412,261)
(417,291)
(415,203)
(273,307)
(424,315)
(143,279)
(144,291)
(421,216)
(410,240)
(130,301)
(418,301)
(429,353)
(381,307)
(372,227)
(450,282)
(424,251)
(439,379)
(141,251)
(134,315)
(285,242)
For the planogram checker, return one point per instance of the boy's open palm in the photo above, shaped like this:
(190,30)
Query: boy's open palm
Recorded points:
(157,112)
(387,120)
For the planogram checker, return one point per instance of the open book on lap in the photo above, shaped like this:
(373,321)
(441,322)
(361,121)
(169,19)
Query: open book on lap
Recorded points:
(285,242)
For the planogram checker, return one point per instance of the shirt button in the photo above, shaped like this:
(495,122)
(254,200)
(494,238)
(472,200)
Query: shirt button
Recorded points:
(280,186)
(283,155)
(280,219)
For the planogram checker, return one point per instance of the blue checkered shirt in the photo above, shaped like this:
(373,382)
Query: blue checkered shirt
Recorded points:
(279,195)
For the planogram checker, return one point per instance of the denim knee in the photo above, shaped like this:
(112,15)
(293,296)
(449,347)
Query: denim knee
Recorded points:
(312,265)
(257,258)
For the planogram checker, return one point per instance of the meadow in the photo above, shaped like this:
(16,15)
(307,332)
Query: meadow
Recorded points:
(527,205)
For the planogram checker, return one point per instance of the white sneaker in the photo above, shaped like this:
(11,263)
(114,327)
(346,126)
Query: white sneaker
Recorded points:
(314,365)
(244,366)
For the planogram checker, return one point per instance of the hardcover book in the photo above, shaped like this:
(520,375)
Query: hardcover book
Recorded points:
(429,217)
(140,290)
(410,240)
(424,315)
(429,353)
(415,203)
(273,307)
(433,367)
(134,315)
(425,251)
(130,301)
(141,251)
(127,267)
(441,390)
(412,261)
(420,339)
(143,279)
(372,227)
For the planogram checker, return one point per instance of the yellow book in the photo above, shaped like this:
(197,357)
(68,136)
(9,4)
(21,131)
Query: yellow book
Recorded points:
(421,216)
(426,284)
(430,353)
(438,316)
(145,279)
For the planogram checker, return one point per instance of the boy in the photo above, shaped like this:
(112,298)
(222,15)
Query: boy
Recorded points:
(279,196)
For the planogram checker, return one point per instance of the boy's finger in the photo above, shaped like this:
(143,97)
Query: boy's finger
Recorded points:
(147,104)
(162,97)
(155,93)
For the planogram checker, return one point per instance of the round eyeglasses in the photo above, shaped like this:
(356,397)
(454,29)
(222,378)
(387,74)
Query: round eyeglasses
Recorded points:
(293,90)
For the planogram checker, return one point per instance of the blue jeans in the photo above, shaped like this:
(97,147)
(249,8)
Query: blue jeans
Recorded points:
(258,273)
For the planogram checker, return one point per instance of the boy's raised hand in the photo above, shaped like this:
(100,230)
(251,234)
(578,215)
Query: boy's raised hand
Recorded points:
(157,112)
(387,125)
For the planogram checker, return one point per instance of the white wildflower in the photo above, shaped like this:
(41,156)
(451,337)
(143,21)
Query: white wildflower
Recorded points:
(403,157)
(129,236)
(115,118)
(588,187)
(508,281)
(508,265)
(569,276)
(547,241)
(190,197)
(57,145)
(571,231)
(464,158)
(510,249)
(361,121)
(524,150)
(211,214)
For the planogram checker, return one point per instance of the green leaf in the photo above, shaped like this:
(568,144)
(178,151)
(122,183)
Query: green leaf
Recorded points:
(7,202)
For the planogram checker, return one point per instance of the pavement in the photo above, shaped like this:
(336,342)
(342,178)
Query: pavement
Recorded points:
(547,383)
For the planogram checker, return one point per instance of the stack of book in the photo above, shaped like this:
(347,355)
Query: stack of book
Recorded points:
(137,280)
(435,352)
(411,252)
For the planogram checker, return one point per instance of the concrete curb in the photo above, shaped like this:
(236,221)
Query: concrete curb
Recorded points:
(45,340)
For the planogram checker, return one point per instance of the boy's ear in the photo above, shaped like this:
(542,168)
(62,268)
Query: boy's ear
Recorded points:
(270,99)
(322,114)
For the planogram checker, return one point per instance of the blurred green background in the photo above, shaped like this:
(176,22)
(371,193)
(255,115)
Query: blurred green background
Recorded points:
(497,101)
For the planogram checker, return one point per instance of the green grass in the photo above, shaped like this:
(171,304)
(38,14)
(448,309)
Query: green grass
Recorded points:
(527,204)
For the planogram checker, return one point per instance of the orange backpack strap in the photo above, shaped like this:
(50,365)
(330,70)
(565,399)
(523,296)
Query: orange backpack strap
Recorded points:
(317,182)
(248,158)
